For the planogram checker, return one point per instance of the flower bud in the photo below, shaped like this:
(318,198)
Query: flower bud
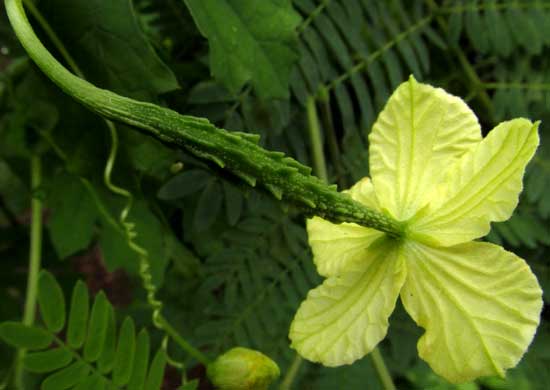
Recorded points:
(242,369)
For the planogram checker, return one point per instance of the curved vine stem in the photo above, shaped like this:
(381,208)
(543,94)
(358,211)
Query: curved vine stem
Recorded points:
(239,153)
(128,228)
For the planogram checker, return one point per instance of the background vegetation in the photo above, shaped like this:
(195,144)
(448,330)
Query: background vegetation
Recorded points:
(232,264)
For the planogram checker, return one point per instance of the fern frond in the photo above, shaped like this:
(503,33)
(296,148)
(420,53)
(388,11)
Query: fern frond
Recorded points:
(500,27)
(91,355)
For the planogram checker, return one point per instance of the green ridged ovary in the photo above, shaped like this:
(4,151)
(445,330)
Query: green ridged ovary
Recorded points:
(236,152)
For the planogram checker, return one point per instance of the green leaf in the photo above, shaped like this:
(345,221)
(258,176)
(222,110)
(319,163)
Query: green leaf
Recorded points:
(110,47)
(147,155)
(93,382)
(78,317)
(234,203)
(97,328)
(74,213)
(184,261)
(208,206)
(156,371)
(191,385)
(249,41)
(67,377)
(141,362)
(22,336)
(107,359)
(51,302)
(47,361)
(124,353)
(184,183)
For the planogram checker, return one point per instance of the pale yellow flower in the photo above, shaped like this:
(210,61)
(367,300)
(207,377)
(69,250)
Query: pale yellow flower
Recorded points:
(431,169)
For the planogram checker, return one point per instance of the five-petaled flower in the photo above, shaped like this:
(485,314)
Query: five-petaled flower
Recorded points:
(432,170)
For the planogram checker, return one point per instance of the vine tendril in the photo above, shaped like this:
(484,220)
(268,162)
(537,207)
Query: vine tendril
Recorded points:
(130,231)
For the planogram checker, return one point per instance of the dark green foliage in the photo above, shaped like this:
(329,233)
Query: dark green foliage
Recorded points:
(260,270)
(156,371)
(71,201)
(22,336)
(95,367)
(499,28)
(231,263)
(141,361)
(249,42)
(47,361)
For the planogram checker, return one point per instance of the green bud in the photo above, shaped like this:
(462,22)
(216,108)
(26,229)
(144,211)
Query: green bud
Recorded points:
(176,167)
(242,369)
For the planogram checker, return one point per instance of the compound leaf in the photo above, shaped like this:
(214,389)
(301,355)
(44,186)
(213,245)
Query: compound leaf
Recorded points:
(78,318)
(249,41)
(51,302)
(141,361)
(110,47)
(73,216)
(47,361)
(97,328)
(107,359)
(22,336)
(156,372)
(125,350)
(67,377)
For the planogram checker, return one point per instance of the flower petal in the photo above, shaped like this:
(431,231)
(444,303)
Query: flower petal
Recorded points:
(343,319)
(421,129)
(482,186)
(480,306)
(334,246)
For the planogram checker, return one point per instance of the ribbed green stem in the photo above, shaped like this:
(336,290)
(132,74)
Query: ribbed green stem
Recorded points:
(34,262)
(236,152)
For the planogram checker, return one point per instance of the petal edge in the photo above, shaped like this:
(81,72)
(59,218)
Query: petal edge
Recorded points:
(467,298)
(346,317)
